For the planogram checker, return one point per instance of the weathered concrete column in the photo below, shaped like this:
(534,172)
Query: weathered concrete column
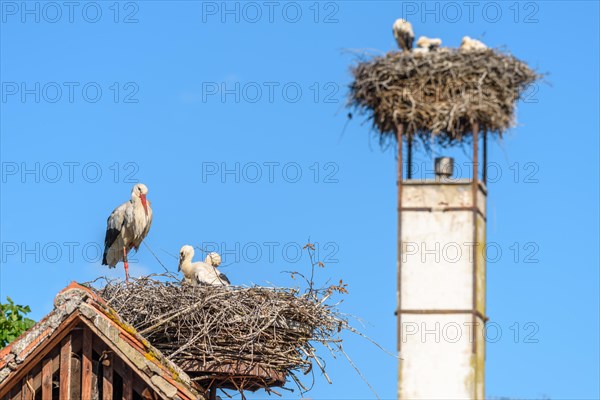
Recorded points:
(442,294)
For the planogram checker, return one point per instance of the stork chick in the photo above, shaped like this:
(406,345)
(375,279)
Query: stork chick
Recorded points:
(213,259)
(126,228)
(403,32)
(428,43)
(201,272)
(469,44)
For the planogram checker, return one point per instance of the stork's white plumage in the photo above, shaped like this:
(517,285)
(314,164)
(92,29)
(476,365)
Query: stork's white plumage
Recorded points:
(126,228)
(403,32)
(430,44)
(213,259)
(201,272)
(419,51)
(469,44)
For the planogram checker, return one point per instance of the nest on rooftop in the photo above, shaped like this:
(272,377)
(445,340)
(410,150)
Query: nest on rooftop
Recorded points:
(440,94)
(243,338)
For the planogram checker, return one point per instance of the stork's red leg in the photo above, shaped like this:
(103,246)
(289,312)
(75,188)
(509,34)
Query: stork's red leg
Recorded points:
(126,264)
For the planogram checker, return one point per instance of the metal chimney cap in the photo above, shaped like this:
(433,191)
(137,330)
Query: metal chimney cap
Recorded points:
(444,167)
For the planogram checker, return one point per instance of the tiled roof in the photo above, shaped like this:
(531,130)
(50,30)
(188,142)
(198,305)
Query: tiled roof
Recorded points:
(78,303)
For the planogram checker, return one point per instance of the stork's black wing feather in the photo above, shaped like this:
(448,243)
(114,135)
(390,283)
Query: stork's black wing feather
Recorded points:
(224,278)
(111,236)
(114,224)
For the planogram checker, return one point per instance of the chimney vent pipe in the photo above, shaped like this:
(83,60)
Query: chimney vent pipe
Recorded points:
(444,168)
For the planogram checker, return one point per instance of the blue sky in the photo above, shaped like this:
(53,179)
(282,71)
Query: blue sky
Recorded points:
(175,94)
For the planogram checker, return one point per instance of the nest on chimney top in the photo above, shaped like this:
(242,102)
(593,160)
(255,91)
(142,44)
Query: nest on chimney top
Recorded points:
(438,95)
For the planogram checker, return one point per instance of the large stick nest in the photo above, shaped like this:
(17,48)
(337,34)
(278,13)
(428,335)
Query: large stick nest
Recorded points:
(440,94)
(208,327)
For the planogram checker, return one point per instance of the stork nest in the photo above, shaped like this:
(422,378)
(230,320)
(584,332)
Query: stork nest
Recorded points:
(440,94)
(209,327)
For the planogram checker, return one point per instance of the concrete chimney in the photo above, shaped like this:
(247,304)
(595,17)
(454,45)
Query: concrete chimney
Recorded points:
(442,287)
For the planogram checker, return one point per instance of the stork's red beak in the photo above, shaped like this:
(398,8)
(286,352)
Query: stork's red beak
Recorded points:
(144,203)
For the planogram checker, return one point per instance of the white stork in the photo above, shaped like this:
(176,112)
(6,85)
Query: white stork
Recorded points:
(403,32)
(469,44)
(428,43)
(126,227)
(201,272)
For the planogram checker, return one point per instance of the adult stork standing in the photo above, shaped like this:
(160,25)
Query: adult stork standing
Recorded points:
(403,32)
(126,227)
(201,272)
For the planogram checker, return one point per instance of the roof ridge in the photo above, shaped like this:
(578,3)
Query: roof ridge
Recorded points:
(80,302)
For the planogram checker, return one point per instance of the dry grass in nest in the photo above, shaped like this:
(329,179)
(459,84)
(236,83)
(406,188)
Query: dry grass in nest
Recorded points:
(438,95)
